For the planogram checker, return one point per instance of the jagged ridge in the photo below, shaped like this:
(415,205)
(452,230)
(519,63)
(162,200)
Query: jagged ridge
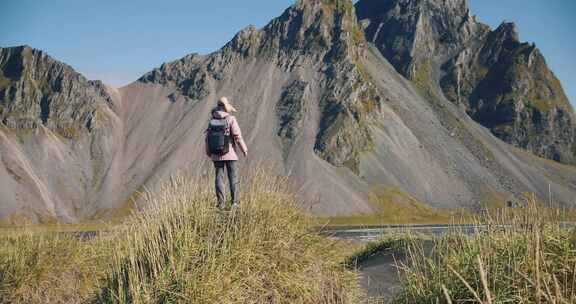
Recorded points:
(37,90)
(502,83)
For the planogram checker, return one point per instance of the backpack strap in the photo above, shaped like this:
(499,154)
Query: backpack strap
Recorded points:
(227,132)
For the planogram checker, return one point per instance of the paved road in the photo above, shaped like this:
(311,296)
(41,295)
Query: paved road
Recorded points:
(370,233)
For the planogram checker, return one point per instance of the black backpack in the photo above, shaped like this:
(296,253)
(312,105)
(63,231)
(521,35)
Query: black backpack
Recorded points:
(218,136)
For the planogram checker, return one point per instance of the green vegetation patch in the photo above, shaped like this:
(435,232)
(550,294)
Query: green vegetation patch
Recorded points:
(394,206)
(422,75)
(4,81)
(126,209)
(340,5)
(50,268)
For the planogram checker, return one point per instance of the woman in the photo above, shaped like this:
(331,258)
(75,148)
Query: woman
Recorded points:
(223,137)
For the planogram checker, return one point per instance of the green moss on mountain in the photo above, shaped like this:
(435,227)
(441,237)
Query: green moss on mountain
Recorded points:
(4,82)
(394,206)
(345,6)
(422,74)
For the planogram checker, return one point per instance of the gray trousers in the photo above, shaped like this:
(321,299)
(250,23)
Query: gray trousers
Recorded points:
(230,166)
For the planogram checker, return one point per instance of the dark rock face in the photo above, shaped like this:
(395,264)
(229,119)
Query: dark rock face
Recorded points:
(502,83)
(506,86)
(37,90)
(290,110)
(191,80)
(411,33)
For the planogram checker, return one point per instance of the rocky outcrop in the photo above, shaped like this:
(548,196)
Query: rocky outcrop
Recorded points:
(502,83)
(291,109)
(506,86)
(414,34)
(37,90)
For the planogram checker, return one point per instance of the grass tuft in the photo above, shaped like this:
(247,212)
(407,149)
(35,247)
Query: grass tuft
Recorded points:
(50,268)
(520,256)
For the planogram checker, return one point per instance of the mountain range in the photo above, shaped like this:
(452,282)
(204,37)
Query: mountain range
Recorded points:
(346,99)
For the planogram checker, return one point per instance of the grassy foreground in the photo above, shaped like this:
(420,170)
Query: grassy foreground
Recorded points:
(522,256)
(182,250)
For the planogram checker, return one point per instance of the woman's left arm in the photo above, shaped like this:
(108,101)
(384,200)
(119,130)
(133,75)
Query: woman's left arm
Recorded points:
(237,135)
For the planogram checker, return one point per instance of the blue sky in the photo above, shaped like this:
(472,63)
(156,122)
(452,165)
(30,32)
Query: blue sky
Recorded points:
(117,41)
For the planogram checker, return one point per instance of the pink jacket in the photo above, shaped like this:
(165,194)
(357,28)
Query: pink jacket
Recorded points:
(236,138)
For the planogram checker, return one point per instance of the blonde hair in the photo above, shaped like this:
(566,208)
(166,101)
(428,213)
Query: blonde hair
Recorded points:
(226,105)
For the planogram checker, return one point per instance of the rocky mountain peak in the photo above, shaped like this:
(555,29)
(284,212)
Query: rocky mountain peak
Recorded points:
(245,42)
(410,34)
(503,83)
(308,29)
(507,31)
(15,60)
(314,28)
(36,89)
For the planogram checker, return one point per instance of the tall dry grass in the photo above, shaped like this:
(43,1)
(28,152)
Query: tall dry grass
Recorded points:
(181,249)
(50,268)
(524,255)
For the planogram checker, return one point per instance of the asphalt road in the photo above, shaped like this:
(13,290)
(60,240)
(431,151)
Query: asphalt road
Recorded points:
(370,233)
